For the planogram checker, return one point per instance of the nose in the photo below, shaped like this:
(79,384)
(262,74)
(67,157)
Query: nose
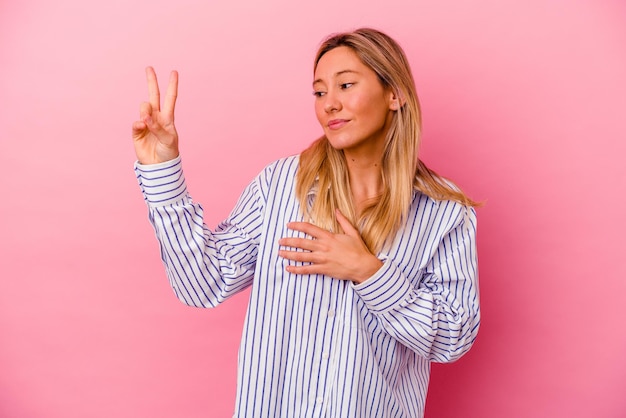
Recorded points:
(331,104)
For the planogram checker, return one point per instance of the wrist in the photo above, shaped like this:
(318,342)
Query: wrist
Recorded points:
(368,269)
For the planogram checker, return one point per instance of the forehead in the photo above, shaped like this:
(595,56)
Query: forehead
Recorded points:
(338,61)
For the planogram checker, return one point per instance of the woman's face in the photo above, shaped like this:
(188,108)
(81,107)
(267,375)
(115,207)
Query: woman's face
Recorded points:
(351,104)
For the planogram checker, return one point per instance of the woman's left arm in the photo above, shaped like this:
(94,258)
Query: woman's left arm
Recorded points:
(437,312)
(434,311)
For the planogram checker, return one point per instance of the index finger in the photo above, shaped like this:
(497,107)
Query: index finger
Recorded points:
(153,89)
(307,228)
(170,95)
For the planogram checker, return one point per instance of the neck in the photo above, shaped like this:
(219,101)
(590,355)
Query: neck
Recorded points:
(366,181)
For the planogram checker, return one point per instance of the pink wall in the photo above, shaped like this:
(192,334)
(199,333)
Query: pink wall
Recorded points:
(521,102)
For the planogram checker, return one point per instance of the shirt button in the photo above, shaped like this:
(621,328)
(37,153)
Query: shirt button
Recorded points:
(324,355)
(319,400)
(331,313)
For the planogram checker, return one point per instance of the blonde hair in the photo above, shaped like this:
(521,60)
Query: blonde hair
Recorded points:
(323,171)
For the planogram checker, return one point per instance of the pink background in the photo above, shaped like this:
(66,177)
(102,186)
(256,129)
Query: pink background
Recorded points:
(524,106)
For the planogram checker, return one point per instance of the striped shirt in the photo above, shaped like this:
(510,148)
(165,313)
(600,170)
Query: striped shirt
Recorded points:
(315,346)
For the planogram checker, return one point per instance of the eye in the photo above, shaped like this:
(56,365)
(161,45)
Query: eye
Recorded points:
(319,93)
(344,86)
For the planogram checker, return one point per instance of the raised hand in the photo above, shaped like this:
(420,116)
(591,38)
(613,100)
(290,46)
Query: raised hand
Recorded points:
(154,134)
(342,256)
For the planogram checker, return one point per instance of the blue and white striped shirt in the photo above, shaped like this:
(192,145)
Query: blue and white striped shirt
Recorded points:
(316,346)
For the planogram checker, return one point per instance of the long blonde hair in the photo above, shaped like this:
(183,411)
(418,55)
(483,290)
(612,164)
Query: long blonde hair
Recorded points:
(323,171)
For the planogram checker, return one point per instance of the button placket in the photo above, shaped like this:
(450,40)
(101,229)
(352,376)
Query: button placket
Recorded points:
(333,321)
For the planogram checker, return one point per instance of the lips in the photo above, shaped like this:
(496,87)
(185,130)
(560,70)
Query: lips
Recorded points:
(337,123)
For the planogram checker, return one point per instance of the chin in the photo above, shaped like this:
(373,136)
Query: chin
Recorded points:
(338,143)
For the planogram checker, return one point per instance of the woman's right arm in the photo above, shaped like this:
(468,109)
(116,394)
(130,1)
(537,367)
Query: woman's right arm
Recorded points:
(204,267)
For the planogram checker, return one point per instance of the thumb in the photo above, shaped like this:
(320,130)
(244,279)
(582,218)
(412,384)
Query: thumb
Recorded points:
(139,130)
(151,124)
(163,135)
(345,224)
(146,113)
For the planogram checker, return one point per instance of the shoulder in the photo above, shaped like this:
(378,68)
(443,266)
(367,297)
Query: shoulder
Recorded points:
(279,174)
(283,168)
(449,214)
(289,163)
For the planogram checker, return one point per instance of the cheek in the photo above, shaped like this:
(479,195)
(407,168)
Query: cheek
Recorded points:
(372,108)
(359,104)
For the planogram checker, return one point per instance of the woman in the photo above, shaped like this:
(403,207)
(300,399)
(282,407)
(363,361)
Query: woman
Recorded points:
(362,261)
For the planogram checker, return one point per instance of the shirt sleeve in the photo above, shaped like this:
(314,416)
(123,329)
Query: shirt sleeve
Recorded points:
(436,314)
(204,267)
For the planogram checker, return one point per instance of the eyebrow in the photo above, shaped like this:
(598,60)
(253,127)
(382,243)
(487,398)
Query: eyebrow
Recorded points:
(319,80)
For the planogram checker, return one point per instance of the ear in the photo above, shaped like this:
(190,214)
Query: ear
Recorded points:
(396,101)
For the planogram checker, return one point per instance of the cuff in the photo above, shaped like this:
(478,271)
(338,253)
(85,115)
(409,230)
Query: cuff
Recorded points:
(161,184)
(386,289)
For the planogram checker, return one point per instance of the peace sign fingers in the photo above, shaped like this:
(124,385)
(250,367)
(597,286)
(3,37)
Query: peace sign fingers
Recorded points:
(154,135)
